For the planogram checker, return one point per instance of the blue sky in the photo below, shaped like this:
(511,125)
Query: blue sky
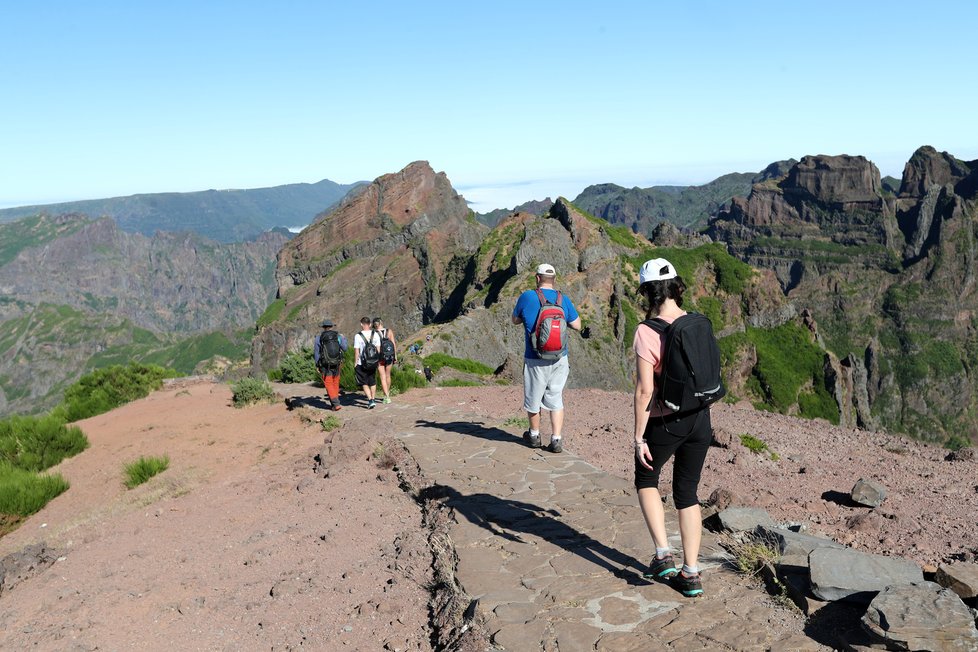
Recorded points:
(512,100)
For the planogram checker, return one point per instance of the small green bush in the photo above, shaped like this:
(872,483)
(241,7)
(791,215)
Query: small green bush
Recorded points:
(348,378)
(299,367)
(248,391)
(37,443)
(404,378)
(144,468)
(758,446)
(522,423)
(23,492)
(108,388)
(438,360)
(330,423)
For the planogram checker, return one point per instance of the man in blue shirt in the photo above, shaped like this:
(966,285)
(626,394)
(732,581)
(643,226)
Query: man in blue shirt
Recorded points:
(543,380)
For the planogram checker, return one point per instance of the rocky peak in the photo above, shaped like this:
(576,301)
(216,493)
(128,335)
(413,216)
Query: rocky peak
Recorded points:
(927,168)
(397,248)
(838,181)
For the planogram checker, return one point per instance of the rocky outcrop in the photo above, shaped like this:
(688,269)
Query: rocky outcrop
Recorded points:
(890,280)
(642,209)
(400,247)
(928,168)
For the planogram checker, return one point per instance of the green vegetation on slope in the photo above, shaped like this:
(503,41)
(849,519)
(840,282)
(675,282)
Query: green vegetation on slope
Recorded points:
(108,388)
(33,232)
(438,360)
(789,370)
(731,274)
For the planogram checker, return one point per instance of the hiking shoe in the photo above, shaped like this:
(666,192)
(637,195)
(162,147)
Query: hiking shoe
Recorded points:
(661,569)
(533,441)
(336,408)
(688,585)
(556,446)
(371,404)
(387,399)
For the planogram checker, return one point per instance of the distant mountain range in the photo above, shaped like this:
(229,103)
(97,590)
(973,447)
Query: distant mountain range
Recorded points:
(222,215)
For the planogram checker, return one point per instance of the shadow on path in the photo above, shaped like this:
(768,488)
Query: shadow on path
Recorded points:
(512,518)
(474,428)
(320,403)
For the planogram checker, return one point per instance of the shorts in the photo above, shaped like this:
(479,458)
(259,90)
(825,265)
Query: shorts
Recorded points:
(543,384)
(368,378)
(686,437)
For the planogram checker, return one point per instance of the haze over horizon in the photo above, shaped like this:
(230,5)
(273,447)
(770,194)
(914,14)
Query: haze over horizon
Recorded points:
(513,102)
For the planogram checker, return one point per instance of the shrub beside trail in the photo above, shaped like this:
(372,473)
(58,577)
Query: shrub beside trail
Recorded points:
(32,444)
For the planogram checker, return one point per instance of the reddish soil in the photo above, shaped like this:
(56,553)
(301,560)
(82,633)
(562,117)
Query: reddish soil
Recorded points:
(245,542)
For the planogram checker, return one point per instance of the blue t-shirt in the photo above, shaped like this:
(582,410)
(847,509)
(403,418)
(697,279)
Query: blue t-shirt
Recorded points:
(528,307)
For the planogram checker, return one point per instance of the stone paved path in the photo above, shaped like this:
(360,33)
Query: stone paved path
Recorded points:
(553,550)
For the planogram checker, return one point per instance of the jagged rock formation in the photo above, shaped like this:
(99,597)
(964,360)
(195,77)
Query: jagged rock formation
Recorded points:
(889,279)
(405,247)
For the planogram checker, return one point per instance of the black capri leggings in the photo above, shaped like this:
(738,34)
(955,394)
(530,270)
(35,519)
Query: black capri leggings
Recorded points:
(688,438)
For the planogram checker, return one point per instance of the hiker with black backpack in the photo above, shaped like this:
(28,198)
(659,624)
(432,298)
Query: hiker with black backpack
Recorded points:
(327,351)
(546,315)
(388,356)
(677,377)
(367,346)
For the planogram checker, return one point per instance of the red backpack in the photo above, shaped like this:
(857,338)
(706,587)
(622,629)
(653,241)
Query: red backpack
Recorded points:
(549,337)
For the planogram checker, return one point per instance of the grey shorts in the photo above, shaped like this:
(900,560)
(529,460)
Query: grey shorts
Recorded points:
(543,384)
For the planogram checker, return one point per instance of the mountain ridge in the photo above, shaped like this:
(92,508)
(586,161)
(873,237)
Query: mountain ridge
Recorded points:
(222,215)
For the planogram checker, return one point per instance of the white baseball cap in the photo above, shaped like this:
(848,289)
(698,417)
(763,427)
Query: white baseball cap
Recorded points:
(546,270)
(657,269)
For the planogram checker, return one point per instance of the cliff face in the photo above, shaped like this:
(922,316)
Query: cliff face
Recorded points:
(888,279)
(170,283)
(77,293)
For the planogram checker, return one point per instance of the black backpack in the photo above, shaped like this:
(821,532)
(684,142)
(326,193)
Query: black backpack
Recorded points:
(690,377)
(370,357)
(330,354)
(386,348)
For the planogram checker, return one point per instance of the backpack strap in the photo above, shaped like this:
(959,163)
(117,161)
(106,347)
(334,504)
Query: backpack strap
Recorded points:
(657,324)
(543,298)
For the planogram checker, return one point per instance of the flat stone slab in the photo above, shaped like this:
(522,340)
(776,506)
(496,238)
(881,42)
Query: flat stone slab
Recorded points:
(790,542)
(844,574)
(744,519)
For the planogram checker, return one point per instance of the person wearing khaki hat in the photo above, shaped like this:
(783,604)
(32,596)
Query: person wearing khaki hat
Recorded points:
(327,352)
(545,314)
